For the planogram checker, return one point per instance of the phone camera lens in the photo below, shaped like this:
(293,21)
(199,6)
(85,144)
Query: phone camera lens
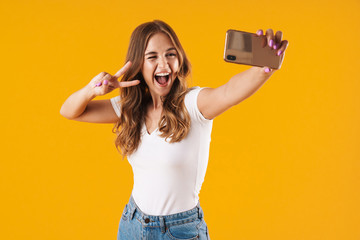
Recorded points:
(231,57)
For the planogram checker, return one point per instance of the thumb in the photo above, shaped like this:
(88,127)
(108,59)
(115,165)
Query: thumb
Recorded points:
(267,69)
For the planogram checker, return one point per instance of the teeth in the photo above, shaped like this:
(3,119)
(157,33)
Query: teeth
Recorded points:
(162,74)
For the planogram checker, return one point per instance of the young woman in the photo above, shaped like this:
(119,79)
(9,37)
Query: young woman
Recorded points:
(163,128)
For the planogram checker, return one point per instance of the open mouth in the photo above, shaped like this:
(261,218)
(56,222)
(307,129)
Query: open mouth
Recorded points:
(162,79)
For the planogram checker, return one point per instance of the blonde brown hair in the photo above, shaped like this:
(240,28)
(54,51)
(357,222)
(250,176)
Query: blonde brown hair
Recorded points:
(174,124)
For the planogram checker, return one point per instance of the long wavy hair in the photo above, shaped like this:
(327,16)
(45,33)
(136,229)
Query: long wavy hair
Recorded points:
(174,124)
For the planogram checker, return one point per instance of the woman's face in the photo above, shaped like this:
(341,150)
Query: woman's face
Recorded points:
(161,64)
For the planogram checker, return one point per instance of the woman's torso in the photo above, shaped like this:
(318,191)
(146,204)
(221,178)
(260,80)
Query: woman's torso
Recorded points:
(168,176)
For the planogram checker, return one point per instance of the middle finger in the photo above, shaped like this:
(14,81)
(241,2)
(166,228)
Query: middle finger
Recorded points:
(270,37)
(122,70)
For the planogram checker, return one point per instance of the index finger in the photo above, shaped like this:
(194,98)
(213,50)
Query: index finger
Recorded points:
(129,83)
(122,70)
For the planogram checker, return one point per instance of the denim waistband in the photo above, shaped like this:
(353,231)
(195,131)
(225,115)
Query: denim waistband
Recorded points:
(165,220)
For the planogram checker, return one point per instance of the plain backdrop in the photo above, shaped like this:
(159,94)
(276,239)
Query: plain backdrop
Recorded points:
(284,163)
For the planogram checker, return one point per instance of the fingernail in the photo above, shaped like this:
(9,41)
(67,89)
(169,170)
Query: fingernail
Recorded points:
(279,52)
(105,82)
(98,84)
(259,32)
(271,43)
(267,70)
(275,46)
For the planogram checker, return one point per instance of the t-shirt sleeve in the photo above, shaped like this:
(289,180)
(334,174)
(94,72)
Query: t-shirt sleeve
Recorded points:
(192,107)
(115,102)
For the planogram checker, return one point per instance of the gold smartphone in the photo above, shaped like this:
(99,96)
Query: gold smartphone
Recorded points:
(250,49)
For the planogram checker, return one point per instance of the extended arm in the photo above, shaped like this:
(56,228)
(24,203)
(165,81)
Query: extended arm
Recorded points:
(214,101)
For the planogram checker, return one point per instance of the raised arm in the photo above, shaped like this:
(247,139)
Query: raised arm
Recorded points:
(214,101)
(80,106)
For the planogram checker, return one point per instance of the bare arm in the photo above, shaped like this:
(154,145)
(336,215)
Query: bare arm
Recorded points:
(214,101)
(80,106)
(75,105)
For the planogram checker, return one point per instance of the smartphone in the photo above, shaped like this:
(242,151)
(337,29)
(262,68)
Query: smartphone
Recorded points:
(250,49)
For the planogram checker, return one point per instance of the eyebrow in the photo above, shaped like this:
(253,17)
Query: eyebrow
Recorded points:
(156,52)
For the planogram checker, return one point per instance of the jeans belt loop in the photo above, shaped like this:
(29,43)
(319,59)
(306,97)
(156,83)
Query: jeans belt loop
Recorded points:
(162,224)
(132,212)
(200,212)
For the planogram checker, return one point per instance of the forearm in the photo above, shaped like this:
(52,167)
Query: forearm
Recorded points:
(244,84)
(76,104)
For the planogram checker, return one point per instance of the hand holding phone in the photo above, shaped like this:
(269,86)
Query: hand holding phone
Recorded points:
(255,49)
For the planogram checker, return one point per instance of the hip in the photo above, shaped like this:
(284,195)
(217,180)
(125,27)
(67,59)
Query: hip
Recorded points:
(134,224)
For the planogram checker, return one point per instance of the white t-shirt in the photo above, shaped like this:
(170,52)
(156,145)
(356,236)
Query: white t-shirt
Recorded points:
(168,176)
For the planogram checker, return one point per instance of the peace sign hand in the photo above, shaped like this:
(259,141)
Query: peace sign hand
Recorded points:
(104,83)
(274,42)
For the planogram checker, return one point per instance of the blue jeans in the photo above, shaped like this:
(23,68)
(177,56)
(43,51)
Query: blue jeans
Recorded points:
(136,225)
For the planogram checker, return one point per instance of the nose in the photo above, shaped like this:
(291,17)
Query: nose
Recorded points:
(163,64)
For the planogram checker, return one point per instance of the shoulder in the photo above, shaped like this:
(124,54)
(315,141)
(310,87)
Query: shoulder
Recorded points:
(191,103)
(115,102)
(193,94)
(115,99)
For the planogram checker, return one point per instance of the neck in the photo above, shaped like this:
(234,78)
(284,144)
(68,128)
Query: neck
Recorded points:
(157,103)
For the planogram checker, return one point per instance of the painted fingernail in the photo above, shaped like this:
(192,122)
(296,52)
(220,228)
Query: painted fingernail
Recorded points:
(259,32)
(106,82)
(271,43)
(275,46)
(279,52)
(98,84)
(267,70)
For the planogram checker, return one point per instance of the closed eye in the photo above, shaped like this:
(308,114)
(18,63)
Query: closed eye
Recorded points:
(170,54)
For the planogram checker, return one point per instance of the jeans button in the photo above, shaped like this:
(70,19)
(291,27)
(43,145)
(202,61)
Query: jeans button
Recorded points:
(147,220)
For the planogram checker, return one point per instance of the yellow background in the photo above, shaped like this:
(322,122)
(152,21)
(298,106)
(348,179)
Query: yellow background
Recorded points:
(284,163)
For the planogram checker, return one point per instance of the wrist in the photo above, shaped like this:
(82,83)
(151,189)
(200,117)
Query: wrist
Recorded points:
(89,92)
(262,73)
